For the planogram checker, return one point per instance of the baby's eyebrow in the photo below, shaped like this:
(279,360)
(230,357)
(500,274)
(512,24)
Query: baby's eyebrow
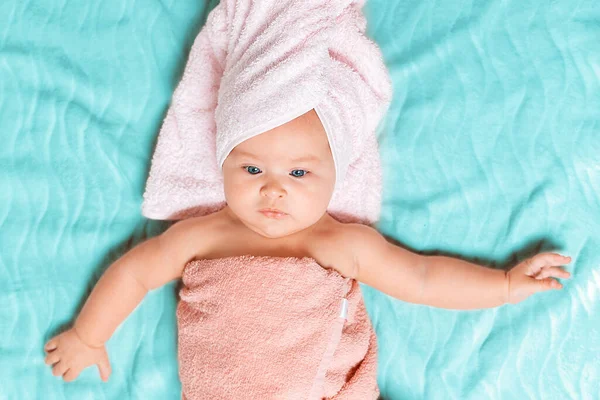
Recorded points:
(311,157)
(244,154)
(306,158)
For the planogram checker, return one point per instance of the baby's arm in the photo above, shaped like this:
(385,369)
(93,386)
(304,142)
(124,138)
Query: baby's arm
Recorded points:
(118,292)
(447,282)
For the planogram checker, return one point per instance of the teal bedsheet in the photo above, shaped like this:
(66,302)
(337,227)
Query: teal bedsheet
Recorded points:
(491,152)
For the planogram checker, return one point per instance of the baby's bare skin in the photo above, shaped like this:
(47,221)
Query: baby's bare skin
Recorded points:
(321,241)
(276,206)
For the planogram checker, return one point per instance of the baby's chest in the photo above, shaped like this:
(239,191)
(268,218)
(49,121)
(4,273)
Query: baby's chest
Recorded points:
(327,254)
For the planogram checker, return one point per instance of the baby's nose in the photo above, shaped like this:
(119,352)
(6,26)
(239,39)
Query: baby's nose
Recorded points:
(273,189)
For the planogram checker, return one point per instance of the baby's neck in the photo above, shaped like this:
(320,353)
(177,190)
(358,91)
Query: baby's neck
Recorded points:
(233,238)
(326,222)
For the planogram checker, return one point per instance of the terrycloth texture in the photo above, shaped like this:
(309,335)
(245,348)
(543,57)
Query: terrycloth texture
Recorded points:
(260,327)
(490,150)
(254,66)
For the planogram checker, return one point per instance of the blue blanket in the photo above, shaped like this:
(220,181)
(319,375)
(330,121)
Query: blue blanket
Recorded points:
(491,153)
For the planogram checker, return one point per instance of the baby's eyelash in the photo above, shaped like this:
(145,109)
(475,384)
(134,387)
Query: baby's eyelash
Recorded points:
(247,169)
(306,172)
(254,170)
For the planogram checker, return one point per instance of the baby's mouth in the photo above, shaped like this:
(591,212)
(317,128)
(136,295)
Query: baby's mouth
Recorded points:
(273,213)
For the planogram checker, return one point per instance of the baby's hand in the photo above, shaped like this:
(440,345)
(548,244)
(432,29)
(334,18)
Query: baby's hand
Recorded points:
(536,274)
(70,355)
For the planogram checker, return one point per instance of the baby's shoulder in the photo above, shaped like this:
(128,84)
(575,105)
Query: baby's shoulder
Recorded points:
(349,234)
(200,225)
(340,244)
(194,236)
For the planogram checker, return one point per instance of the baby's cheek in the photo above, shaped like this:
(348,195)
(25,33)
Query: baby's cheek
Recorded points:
(241,199)
(236,187)
(322,196)
(315,205)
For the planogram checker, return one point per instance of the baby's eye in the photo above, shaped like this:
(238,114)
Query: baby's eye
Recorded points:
(298,173)
(253,170)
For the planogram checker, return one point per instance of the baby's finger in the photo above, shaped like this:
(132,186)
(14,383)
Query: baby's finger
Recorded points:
(104,367)
(59,368)
(548,284)
(52,358)
(546,260)
(555,272)
(71,374)
(51,345)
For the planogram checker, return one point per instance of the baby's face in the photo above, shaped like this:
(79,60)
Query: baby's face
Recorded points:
(289,169)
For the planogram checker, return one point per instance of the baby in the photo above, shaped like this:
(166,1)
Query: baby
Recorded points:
(278,185)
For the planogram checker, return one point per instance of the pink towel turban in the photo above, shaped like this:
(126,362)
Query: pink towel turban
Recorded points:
(257,65)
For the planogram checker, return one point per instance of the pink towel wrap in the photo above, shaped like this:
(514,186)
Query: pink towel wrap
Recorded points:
(249,330)
(254,66)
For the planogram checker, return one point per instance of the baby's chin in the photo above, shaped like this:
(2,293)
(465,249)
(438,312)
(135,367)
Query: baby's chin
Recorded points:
(273,231)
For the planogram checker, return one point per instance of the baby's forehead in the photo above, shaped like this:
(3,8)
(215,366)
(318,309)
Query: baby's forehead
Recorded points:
(273,155)
(302,139)
(292,136)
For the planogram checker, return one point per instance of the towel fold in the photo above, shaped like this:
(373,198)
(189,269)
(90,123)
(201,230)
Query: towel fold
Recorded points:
(254,66)
(271,328)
